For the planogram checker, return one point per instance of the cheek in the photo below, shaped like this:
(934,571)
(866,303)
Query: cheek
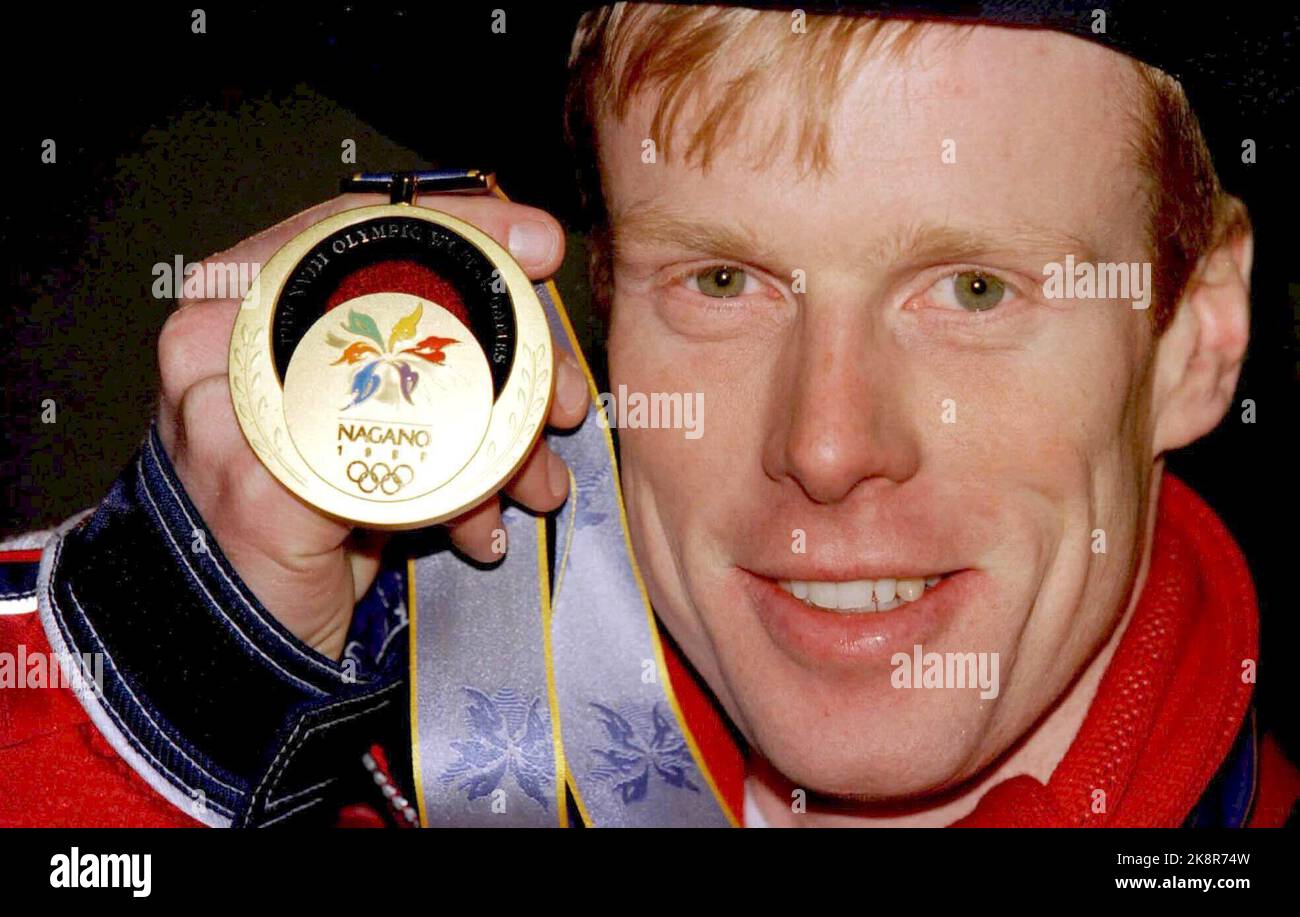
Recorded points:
(1050,415)
(1050,438)
(704,460)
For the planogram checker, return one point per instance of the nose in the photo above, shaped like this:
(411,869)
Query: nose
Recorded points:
(844,425)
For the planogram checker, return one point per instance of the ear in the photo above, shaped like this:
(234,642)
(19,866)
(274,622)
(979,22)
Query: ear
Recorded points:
(1198,358)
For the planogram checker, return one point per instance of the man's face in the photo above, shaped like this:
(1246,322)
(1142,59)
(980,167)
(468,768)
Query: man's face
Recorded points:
(874,411)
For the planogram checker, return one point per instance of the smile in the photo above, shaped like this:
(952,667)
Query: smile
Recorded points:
(833,622)
(859,596)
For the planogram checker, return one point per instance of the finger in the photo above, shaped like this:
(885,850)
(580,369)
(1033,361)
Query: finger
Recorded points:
(532,236)
(572,395)
(258,249)
(194,344)
(365,550)
(480,534)
(543,483)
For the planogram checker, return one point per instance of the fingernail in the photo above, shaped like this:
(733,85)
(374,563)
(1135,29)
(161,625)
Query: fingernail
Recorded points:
(557,474)
(572,387)
(531,241)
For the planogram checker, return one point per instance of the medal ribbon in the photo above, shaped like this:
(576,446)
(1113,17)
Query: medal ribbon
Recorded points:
(522,693)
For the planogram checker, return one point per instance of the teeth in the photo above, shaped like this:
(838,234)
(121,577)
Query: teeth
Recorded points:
(909,590)
(824,595)
(860,595)
(856,594)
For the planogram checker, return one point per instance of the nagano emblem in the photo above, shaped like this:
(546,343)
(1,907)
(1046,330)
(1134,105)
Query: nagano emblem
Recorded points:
(368,348)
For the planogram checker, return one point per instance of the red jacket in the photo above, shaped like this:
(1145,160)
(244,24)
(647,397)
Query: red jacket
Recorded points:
(1169,736)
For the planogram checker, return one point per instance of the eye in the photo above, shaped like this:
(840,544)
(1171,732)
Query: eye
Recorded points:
(722,281)
(974,291)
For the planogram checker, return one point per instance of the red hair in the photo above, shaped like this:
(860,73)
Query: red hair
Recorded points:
(624,49)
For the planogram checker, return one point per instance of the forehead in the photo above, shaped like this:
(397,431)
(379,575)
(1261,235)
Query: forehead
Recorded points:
(1026,129)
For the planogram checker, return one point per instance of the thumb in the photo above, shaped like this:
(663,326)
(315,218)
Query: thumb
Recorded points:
(364,550)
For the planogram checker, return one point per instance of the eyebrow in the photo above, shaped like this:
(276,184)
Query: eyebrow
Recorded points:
(958,243)
(917,242)
(654,226)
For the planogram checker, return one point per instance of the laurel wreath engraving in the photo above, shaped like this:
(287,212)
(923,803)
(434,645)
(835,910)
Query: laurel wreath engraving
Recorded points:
(250,351)
(529,399)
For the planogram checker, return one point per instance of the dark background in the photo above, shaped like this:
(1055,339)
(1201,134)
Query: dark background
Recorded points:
(174,143)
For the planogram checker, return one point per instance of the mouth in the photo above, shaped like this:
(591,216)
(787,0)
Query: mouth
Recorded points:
(859,623)
(861,596)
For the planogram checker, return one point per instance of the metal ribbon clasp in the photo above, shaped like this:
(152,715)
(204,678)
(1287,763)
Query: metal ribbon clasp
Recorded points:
(402,187)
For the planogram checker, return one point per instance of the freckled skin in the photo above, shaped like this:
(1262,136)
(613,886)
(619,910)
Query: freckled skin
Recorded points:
(823,409)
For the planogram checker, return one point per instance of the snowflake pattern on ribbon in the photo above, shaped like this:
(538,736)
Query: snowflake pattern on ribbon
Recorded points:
(507,736)
(643,741)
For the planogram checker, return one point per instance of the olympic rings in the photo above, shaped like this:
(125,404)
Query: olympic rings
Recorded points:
(379,476)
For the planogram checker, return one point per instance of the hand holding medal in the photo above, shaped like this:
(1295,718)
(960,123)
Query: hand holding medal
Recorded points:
(386,338)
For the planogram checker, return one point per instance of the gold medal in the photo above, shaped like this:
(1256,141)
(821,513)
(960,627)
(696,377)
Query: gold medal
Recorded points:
(392,364)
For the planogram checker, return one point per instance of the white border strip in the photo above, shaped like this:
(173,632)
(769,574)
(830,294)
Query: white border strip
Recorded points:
(19,606)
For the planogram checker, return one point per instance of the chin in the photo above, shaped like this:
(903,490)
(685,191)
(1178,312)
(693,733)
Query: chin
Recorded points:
(812,691)
(867,745)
